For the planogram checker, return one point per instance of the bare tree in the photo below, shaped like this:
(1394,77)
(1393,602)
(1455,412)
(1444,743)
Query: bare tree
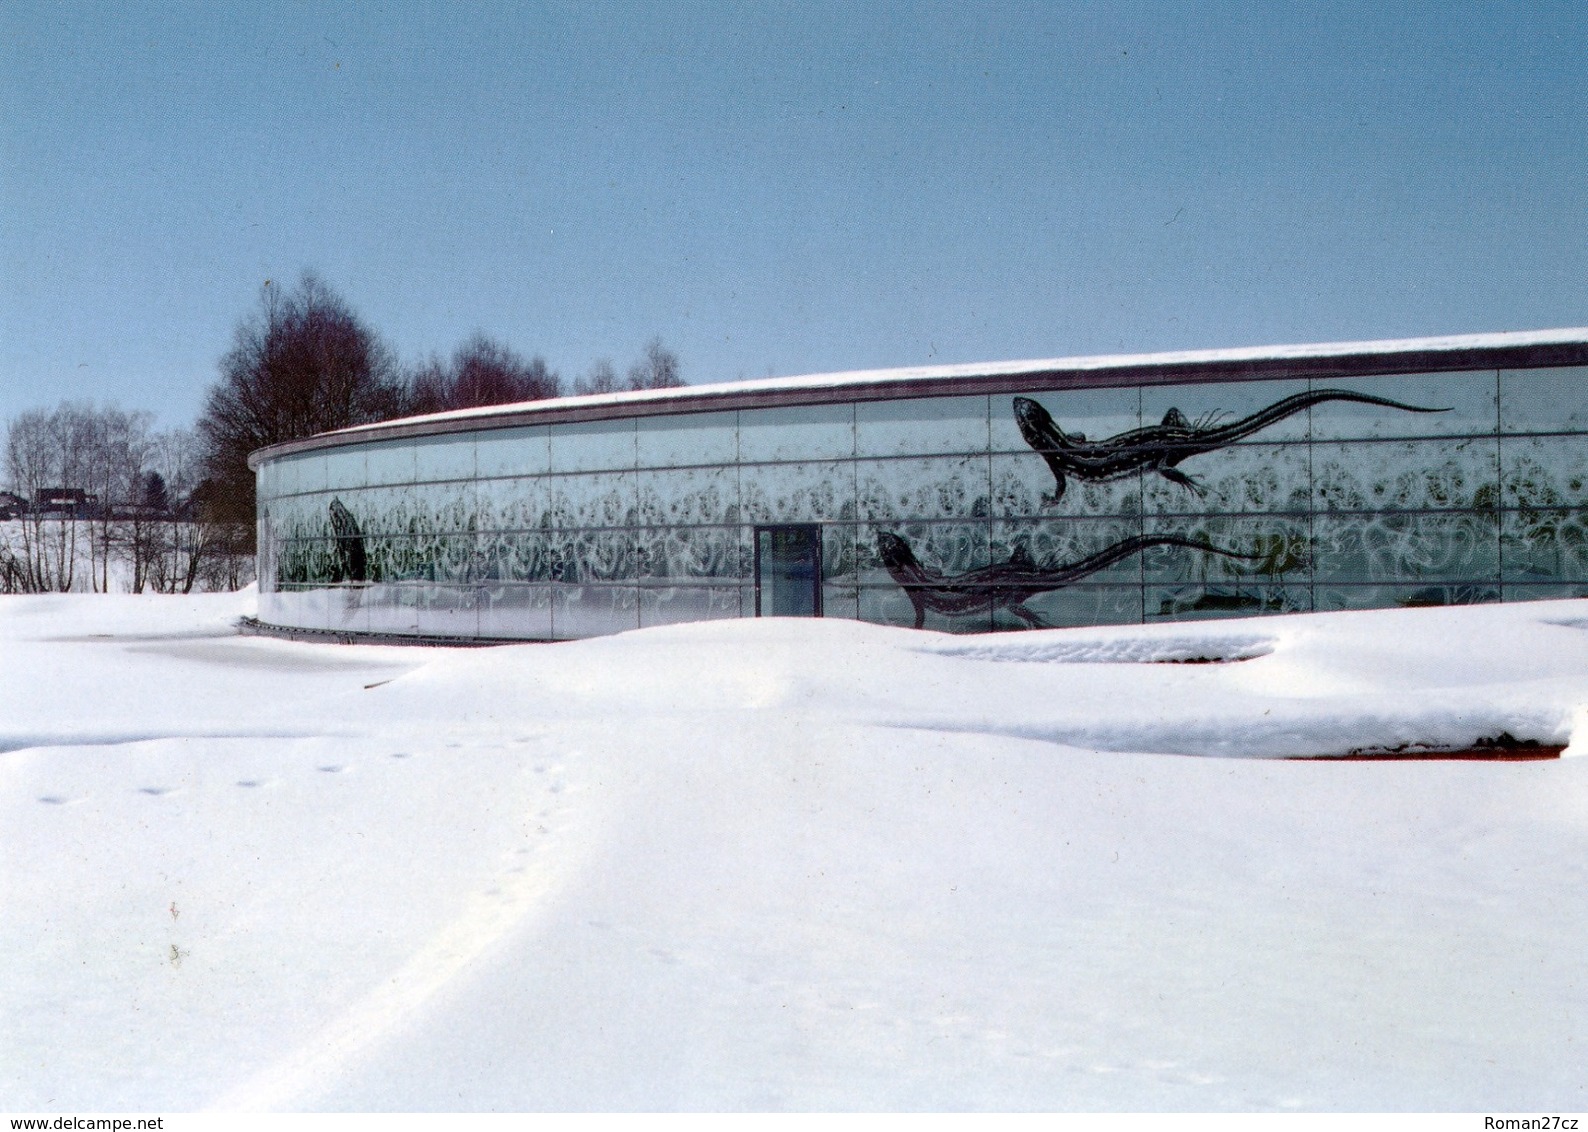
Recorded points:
(167,540)
(112,448)
(429,387)
(488,373)
(109,505)
(483,372)
(602,378)
(303,363)
(38,462)
(658,369)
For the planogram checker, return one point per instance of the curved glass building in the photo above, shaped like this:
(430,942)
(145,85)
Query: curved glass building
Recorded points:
(966,498)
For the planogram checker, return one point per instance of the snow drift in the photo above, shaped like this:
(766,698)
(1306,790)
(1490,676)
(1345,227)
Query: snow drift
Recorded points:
(791,865)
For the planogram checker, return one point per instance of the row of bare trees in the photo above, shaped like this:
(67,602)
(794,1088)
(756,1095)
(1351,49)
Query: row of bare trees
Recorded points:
(99,501)
(484,372)
(304,363)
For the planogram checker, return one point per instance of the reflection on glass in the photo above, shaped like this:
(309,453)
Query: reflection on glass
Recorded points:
(449,457)
(513,452)
(798,493)
(1544,400)
(940,488)
(1213,417)
(1545,545)
(926,426)
(692,439)
(593,447)
(1545,471)
(1243,478)
(1370,596)
(1231,598)
(1443,404)
(809,432)
(1205,500)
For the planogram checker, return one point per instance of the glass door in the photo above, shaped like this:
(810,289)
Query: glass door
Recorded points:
(788,571)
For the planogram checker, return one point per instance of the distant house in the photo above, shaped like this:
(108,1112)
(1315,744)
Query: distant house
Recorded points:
(12,506)
(65,503)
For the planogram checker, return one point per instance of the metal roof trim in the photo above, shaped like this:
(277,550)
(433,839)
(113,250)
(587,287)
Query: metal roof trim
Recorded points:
(1521,349)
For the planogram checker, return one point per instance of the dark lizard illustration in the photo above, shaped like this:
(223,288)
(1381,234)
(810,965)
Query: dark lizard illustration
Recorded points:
(1007,585)
(351,564)
(1161,447)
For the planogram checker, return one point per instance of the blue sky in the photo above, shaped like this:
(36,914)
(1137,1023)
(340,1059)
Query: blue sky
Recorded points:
(779,188)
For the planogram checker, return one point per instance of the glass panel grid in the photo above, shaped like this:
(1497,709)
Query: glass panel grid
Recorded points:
(1314,495)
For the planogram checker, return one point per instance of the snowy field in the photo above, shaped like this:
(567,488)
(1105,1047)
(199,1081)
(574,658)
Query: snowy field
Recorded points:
(791,865)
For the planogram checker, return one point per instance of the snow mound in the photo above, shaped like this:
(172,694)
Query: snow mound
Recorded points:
(789,864)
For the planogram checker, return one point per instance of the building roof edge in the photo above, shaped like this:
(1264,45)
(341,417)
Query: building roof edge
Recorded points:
(1530,348)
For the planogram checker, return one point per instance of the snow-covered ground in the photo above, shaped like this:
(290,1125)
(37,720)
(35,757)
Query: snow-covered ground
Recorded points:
(790,865)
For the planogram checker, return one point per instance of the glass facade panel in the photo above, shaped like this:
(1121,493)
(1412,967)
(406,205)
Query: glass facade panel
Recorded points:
(1544,400)
(591,500)
(515,611)
(1023,485)
(840,554)
(688,496)
(1087,550)
(345,467)
(381,510)
(1544,545)
(1248,597)
(593,610)
(299,516)
(1516,592)
(944,549)
(447,611)
(1437,404)
(302,474)
(449,457)
(942,487)
(424,557)
(518,556)
(1329,598)
(672,605)
(1242,477)
(389,462)
(1224,549)
(454,506)
(596,447)
(689,440)
(692,554)
(516,504)
(593,554)
(1544,471)
(1081,604)
(1079,414)
(809,432)
(1212,417)
(797,493)
(1406,475)
(923,427)
(513,452)
(393,608)
(1456,546)
(1222,565)
(965,513)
